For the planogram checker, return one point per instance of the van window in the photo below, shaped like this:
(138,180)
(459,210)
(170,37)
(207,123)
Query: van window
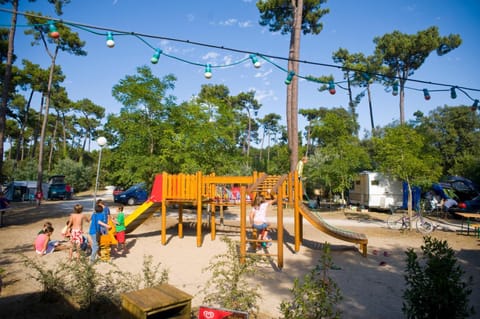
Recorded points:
(375,182)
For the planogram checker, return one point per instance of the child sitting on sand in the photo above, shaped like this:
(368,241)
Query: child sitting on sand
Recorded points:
(43,244)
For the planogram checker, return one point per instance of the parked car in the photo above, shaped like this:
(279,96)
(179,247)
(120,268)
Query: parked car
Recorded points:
(58,188)
(135,195)
(117,190)
(463,188)
(468,206)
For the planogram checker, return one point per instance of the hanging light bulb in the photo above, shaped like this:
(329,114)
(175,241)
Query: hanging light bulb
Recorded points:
(331,88)
(53,32)
(453,93)
(289,78)
(255,61)
(110,42)
(474,106)
(156,56)
(426,94)
(395,88)
(208,71)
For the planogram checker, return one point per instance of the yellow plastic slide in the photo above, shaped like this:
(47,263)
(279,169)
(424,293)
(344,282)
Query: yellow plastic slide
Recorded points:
(141,214)
(346,235)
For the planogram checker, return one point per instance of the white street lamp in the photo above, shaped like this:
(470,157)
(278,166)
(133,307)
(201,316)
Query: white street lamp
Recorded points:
(101,141)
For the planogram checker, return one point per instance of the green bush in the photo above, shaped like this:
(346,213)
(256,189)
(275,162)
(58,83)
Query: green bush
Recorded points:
(228,287)
(83,284)
(317,295)
(434,284)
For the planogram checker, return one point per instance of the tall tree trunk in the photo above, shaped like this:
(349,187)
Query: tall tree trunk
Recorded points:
(292,89)
(402,97)
(45,123)
(249,133)
(64,135)
(37,128)
(20,156)
(52,145)
(370,107)
(6,84)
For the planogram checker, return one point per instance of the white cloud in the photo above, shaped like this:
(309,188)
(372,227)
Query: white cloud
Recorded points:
(227,59)
(229,22)
(263,74)
(245,24)
(262,95)
(210,56)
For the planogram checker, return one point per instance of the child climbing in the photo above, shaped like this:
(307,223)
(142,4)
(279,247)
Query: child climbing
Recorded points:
(258,218)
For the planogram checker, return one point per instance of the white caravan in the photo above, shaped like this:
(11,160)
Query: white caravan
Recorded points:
(375,190)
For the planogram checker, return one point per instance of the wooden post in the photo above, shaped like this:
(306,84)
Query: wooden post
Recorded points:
(180,220)
(199,208)
(280,225)
(164,208)
(296,211)
(213,225)
(243,223)
(164,222)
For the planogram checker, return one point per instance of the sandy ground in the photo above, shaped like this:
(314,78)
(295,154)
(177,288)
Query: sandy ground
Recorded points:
(369,289)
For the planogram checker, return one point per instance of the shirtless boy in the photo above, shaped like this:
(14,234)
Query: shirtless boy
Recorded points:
(75,222)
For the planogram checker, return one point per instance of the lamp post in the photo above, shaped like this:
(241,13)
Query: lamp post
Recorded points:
(101,141)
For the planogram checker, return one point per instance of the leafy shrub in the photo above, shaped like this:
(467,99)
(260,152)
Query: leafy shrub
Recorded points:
(435,288)
(228,287)
(91,290)
(317,295)
(53,281)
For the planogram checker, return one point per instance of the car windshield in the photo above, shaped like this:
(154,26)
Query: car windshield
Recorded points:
(135,187)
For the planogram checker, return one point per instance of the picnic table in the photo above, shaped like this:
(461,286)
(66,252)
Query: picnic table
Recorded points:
(467,219)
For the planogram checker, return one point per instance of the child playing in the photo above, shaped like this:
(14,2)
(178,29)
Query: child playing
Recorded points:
(45,226)
(97,220)
(75,223)
(258,217)
(66,230)
(43,245)
(120,229)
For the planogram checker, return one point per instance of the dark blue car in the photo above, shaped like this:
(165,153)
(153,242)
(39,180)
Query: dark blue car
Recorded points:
(468,206)
(135,195)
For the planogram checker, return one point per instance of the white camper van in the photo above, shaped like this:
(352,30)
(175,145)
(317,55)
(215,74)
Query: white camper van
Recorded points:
(375,190)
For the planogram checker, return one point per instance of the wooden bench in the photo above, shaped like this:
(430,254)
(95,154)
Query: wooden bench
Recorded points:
(162,301)
(471,224)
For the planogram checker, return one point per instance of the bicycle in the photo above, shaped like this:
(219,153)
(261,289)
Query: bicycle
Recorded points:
(402,221)
(431,207)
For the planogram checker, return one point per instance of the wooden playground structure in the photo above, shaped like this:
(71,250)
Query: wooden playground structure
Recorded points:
(203,191)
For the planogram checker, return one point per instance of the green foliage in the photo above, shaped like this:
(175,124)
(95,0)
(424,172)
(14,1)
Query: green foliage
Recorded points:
(402,153)
(229,286)
(454,133)
(25,170)
(76,174)
(434,284)
(339,156)
(89,288)
(53,281)
(317,295)
(152,275)
(277,15)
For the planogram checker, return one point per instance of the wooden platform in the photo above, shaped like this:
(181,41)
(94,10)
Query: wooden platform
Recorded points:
(162,301)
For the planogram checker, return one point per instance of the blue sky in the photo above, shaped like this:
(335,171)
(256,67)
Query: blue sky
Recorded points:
(351,24)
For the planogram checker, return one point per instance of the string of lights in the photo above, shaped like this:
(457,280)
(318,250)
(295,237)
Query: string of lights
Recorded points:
(253,57)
